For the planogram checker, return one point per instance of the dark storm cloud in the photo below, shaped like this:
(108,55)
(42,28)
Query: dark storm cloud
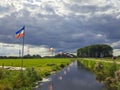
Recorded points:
(3,9)
(89,8)
(79,25)
(108,25)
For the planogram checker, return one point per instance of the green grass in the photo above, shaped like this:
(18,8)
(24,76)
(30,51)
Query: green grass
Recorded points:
(103,59)
(33,62)
(43,64)
(35,70)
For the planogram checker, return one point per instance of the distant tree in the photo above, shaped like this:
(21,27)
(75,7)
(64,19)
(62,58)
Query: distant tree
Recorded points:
(33,56)
(27,56)
(99,50)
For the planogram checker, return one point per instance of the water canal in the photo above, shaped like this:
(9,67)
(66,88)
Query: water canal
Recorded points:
(73,77)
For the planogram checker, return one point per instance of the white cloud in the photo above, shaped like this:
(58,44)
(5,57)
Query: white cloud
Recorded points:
(59,7)
(116,48)
(115,44)
(116,52)
(99,35)
(13,50)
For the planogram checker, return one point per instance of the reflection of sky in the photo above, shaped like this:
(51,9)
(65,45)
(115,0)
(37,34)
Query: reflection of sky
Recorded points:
(76,79)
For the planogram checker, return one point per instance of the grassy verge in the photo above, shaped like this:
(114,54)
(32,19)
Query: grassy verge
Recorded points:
(105,72)
(36,69)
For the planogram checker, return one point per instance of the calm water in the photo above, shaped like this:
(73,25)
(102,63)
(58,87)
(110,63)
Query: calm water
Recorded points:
(73,78)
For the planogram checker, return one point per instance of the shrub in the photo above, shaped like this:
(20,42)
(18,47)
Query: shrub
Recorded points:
(51,64)
(62,65)
(1,73)
(112,69)
(47,73)
(55,68)
(111,83)
(4,87)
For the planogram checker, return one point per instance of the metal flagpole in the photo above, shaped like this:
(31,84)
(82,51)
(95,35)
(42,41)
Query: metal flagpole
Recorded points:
(19,53)
(11,3)
(23,49)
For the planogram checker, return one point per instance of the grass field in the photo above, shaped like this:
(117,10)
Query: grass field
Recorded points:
(33,62)
(43,63)
(35,70)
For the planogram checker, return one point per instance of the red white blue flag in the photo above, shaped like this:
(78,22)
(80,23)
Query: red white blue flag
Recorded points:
(20,33)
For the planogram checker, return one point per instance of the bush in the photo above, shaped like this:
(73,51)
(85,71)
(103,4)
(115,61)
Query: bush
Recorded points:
(62,65)
(51,64)
(112,69)
(1,73)
(55,68)
(98,66)
(47,73)
(4,87)
(117,75)
(111,83)
(20,80)
(32,75)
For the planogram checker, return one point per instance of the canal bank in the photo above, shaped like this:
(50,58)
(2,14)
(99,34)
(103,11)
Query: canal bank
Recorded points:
(73,77)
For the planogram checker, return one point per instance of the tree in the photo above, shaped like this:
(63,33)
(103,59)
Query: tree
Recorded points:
(98,50)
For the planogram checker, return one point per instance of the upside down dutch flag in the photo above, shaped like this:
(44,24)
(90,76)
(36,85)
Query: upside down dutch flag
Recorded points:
(20,33)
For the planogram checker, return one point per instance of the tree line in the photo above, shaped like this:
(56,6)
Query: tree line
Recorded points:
(98,50)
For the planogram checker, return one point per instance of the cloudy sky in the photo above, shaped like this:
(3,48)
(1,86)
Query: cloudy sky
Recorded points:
(65,25)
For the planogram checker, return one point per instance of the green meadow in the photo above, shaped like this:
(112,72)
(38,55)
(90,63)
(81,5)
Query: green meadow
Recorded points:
(33,62)
(36,69)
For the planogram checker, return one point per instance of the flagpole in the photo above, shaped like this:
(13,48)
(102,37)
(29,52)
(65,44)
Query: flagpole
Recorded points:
(21,33)
(23,50)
